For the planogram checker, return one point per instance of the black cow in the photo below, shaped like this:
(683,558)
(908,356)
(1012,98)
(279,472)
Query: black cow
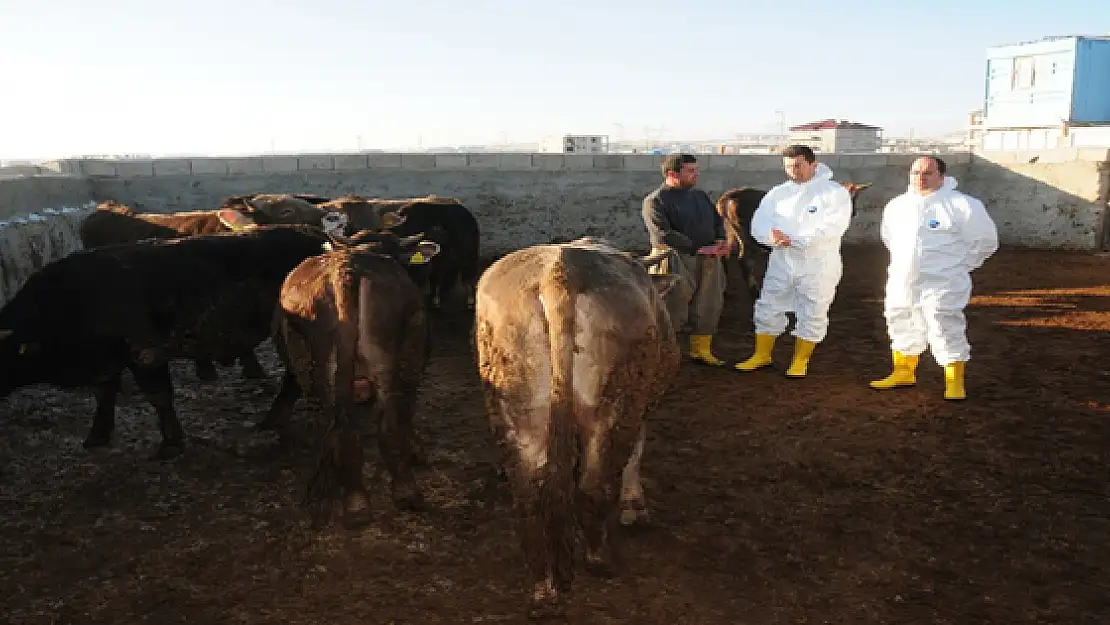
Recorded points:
(443,220)
(82,319)
(114,223)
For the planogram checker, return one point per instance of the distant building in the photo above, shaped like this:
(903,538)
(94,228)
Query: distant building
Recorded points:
(585,144)
(833,135)
(974,130)
(1050,93)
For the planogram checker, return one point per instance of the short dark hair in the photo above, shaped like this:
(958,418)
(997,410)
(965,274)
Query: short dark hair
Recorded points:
(941,166)
(674,162)
(794,151)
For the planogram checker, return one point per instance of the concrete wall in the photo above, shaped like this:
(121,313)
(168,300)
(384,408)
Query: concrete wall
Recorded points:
(1047,198)
(519,199)
(29,242)
(22,194)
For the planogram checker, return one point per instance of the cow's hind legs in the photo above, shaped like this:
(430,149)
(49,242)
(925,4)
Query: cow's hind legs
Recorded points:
(634,509)
(598,500)
(281,408)
(356,501)
(395,444)
(251,368)
(536,529)
(338,478)
(104,423)
(205,369)
(155,383)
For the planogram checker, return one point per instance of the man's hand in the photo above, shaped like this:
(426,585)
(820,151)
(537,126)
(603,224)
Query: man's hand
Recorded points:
(780,238)
(719,249)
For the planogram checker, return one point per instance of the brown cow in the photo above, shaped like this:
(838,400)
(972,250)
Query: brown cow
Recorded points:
(575,344)
(737,206)
(114,223)
(352,332)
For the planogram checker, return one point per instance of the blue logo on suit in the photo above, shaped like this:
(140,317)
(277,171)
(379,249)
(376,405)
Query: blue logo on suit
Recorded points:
(933,223)
(812,209)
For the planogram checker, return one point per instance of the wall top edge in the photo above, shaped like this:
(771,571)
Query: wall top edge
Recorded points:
(506,161)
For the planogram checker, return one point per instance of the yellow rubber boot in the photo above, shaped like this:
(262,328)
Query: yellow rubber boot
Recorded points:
(701,352)
(903,374)
(764,345)
(803,349)
(954,381)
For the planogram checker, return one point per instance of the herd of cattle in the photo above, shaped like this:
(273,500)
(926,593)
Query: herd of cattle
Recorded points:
(574,344)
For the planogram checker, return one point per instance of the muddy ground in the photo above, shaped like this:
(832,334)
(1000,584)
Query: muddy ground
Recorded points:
(774,500)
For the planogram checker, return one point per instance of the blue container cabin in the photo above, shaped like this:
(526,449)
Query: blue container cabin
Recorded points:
(1054,82)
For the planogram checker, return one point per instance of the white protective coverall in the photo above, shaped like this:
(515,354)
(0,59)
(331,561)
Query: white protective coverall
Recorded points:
(935,241)
(802,277)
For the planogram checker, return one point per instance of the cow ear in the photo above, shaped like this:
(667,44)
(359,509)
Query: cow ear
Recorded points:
(424,253)
(5,334)
(664,282)
(392,219)
(652,260)
(409,241)
(236,220)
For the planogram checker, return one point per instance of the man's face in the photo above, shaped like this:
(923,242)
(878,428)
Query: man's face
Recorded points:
(925,178)
(686,178)
(798,168)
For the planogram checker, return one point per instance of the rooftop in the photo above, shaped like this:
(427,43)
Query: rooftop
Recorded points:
(830,124)
(1052,38)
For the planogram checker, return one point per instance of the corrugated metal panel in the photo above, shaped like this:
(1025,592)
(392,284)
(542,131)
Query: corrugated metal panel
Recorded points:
(1091,102)
(1029,86)
(1047,46)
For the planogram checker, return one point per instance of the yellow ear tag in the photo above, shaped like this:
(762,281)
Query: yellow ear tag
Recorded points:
(416,259)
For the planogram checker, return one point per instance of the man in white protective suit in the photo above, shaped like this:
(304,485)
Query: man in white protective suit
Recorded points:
(936,236)
(803,220)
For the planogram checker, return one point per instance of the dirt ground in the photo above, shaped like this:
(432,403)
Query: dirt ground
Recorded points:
(774,500)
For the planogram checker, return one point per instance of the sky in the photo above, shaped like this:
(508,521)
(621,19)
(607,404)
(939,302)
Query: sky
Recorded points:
(255,76)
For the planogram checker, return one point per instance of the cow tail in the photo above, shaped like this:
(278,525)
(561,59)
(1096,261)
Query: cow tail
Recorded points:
(560,477)
(341,451)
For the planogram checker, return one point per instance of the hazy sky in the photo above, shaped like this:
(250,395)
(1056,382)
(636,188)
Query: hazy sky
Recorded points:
(245,76)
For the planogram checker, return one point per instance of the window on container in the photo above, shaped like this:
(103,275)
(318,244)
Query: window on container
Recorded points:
(1024,75)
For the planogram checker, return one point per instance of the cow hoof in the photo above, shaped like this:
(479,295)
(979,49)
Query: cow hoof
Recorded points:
(635,516)
(356,509)
(250,373)
(418,457)
(356,501)
(407,497)
(599,566)
(267,424)
(206,374)
(96,441)
(546,607)
(168,451)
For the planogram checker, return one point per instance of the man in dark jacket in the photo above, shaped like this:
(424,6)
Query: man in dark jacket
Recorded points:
(683,225)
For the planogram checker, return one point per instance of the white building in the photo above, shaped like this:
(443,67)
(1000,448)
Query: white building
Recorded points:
(832,135)
(1046,94)
(585,144)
